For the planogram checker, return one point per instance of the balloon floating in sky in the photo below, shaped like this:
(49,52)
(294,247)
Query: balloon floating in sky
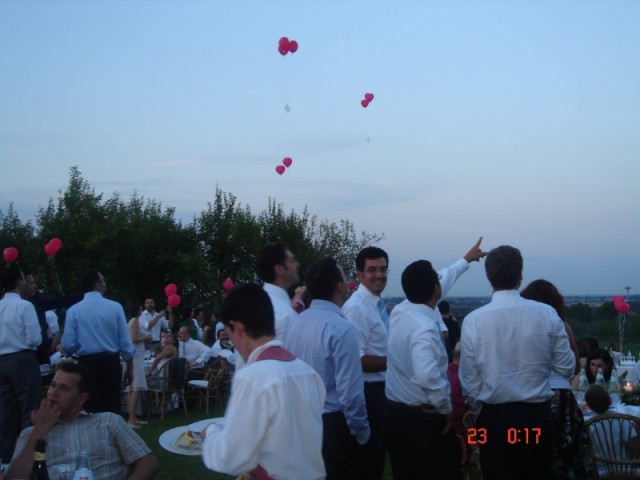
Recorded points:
(368,98)
(287,46)
(51,248)
(10,254)
(286,163)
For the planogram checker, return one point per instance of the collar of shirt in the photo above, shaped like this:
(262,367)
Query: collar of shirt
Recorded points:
(327,305)
(278,292)
(256,353)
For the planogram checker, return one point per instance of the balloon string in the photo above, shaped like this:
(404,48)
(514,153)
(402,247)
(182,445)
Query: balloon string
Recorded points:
(54,274)
(286,82)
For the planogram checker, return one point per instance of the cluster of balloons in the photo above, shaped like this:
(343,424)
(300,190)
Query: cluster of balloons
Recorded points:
(620,304)
(52,247)
(10,254)
(368,98)
(173,299)
(286,163)
(287,46)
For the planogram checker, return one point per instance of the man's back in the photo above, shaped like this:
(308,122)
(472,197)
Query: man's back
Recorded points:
(290,396)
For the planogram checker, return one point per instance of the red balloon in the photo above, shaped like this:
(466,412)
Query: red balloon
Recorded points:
(170,289)
(618,299)
(623,307)
(352,285)
(364,103)
(293,46)
(10,254)
(174,300)
(286,161)
(56,241)
(227,284)
(280,169)
(283,43)
(368,97)
(50,249)
(283,51)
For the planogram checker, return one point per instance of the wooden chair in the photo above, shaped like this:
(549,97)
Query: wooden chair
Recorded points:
(174,378)
(473,462)
(614,445)
(216,382)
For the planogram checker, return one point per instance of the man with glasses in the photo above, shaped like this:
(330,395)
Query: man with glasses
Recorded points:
(368,313)
(96,331)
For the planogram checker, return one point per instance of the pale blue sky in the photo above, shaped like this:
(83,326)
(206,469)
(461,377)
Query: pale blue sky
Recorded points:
(515,120)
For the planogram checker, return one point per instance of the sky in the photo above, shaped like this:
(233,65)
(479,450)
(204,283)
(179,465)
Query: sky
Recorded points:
(517,121)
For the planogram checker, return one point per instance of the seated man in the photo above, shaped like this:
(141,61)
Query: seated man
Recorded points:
(273,422)
(115,450)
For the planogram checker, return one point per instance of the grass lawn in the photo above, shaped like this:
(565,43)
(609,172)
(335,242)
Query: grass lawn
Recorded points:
(180,467)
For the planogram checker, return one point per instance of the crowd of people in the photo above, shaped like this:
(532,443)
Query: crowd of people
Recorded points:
(326,385)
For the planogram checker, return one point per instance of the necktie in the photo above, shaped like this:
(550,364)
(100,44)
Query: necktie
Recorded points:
(382,308)
(182,354)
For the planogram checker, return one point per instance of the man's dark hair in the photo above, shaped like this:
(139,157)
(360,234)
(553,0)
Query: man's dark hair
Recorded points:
(85,385)
(369,253)
(503,266)
(598,399)
(250,305)
(322,277)
(89,280)
(10,277)
(266,260)
(419,280)
(444,307)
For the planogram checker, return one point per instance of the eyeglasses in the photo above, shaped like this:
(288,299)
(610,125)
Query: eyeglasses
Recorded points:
(373,270)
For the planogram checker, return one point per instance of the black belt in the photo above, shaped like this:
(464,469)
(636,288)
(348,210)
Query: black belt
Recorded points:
(392,404)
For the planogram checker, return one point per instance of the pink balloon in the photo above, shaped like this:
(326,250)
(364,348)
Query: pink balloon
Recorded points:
(173,301)
(56,241)
(227,284)
(283,51)
(50,249)
(623,307)
(280,169)
(618,299)
(170,289)
(10,254)
(368,97)
(293,46)
(364,103)
(283,43)
(286,161)
(352,285)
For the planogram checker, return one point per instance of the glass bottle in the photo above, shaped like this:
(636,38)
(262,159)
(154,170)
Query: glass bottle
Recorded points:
(83,472)
(600,377)
(39,470)
(583,384)
(614,388)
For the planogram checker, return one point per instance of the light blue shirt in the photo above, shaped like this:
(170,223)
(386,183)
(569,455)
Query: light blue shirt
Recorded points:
(97,325)
(323,337)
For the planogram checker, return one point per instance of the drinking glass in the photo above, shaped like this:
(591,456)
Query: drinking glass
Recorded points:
(65,472)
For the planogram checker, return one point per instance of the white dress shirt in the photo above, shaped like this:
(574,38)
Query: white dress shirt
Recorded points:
(274,419)
(194,350)
(417,362)
(362,311)
(146,318)
(282,309)
(19,327)
(509,349)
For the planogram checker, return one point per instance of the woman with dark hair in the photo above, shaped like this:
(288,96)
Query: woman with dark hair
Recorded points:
(570,457)
(599,359)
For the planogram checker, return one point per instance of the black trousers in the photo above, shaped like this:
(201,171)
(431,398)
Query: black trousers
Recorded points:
(107,374)
(417,447)
(340,449)
(519,441)
(370,465)
(20,394)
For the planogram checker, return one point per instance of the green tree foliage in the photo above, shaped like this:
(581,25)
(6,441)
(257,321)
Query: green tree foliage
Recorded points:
(140,246)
